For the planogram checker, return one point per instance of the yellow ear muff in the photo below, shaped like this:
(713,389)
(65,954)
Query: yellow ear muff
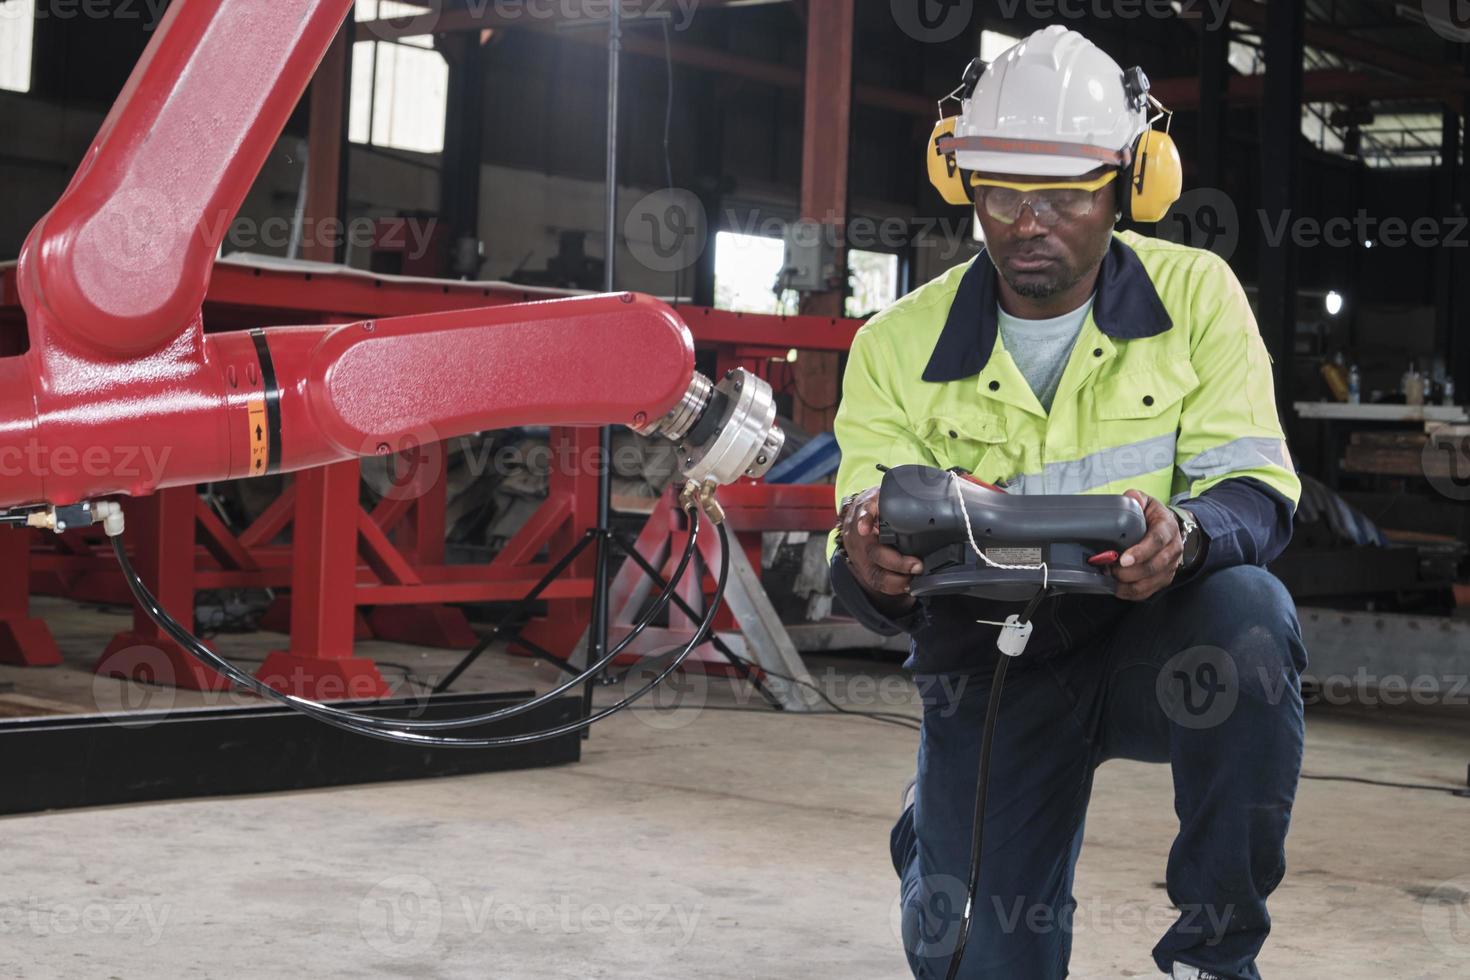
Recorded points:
(944,172)
(1156,178)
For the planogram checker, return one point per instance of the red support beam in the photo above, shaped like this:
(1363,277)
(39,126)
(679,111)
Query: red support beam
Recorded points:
(825,139)
(25,641)
(320,663)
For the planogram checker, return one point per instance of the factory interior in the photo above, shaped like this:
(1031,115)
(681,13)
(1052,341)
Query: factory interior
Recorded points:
(372,366)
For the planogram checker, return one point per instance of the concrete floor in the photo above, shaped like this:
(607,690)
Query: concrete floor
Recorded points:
(687,843)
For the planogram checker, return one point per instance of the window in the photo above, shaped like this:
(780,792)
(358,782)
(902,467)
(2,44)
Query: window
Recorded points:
(746,267)
(400,89)
(874,278)
(17,23)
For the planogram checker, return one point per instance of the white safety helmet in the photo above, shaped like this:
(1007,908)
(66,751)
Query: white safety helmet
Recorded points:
(1053,105)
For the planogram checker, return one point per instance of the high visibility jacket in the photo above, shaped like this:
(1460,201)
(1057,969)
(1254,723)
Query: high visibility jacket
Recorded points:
(1168,390)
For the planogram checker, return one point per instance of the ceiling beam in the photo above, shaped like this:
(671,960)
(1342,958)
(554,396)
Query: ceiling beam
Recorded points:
(483,15)
(1328,85)
(1181,94)
(766,72)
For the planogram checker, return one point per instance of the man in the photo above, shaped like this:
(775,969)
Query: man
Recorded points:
(1070,358)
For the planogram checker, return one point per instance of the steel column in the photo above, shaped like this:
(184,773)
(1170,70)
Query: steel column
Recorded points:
(1214,76)
(1280,168)
(1458,358)
(327,135)
(460,182)
(826,133)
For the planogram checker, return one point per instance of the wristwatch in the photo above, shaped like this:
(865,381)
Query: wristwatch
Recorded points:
(1192,536)
(842,510)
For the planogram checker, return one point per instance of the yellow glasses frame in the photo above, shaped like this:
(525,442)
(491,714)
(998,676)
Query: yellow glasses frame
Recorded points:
(1079,185)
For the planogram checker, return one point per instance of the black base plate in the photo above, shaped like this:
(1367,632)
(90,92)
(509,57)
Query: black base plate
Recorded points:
(65,761)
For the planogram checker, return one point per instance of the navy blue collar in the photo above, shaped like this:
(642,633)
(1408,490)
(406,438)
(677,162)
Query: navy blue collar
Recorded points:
(1125,307)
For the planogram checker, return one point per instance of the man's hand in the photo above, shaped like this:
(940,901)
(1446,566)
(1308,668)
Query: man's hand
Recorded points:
(880,569)
(1152,563)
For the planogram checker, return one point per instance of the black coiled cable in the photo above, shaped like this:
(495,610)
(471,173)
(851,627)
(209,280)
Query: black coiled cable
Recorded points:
(403,730)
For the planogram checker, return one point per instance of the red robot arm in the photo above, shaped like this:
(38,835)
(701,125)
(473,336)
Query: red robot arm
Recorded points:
(120,390)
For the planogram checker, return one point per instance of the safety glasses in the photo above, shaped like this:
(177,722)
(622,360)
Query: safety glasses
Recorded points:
(1050,202)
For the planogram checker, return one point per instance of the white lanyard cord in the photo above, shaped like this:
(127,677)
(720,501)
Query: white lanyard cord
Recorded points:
(954,483)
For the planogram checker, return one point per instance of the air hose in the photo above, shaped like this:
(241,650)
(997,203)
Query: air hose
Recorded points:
(1020,624)
(408,731)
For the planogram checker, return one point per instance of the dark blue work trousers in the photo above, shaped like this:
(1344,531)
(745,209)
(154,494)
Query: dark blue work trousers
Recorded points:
(1204,677)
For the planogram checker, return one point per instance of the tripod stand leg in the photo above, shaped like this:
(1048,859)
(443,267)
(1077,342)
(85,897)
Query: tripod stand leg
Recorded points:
(516,615)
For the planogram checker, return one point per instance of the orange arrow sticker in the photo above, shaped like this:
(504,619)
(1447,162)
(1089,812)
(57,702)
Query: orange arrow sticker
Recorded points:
(260,439)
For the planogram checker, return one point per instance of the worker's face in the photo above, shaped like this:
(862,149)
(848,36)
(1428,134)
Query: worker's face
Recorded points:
(1043,254)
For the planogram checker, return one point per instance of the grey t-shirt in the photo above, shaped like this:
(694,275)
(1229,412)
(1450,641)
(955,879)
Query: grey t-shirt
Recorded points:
(1041,348)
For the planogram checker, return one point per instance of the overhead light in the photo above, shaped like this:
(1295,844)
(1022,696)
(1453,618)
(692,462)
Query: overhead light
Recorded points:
(791,356)
(1333,302)
(1368,243)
